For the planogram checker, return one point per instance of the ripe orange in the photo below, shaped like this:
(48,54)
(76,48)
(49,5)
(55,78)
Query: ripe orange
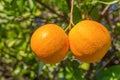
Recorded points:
(50,43)
(89,41)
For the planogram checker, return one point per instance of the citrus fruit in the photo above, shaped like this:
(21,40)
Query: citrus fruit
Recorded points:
(50,43)
(89,41)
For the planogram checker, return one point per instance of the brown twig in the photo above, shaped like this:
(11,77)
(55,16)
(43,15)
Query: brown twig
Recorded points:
(69,4)
(102,14)
(105,9)
(89,72)
(52,10)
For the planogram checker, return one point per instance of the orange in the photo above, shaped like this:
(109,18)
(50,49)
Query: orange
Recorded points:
(50,43)
(89,41)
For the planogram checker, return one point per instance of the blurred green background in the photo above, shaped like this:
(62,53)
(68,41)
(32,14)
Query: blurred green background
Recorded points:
(18,20)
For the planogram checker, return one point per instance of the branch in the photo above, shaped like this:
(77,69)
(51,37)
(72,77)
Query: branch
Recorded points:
(89,72)
(105,9)
(52,10)
(103,12)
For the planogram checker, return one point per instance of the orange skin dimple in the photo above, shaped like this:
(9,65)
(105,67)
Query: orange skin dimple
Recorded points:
(50,43)
(89,41)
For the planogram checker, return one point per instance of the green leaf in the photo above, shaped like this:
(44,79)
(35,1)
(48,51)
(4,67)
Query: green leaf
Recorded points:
(117,29)
(70,54)
(14,4)
(77,15)
(1,7)
(40,67)
(62,5)
(85,66)
(31,4)
(76,71)
(111,73)
(20,4)
(94,14)
(75,64)
(78,74)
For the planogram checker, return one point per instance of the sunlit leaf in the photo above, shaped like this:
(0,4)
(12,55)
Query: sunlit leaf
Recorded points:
(85,66)
(31,4)
(108,1)
(20,4)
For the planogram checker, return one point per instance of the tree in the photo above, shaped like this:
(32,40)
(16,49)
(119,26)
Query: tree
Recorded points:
(19,18)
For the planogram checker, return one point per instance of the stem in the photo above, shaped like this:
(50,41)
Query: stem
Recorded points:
(71,13)
(71,17)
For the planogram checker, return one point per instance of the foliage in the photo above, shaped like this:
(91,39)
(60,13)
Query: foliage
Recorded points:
(19,18)
(110,73)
